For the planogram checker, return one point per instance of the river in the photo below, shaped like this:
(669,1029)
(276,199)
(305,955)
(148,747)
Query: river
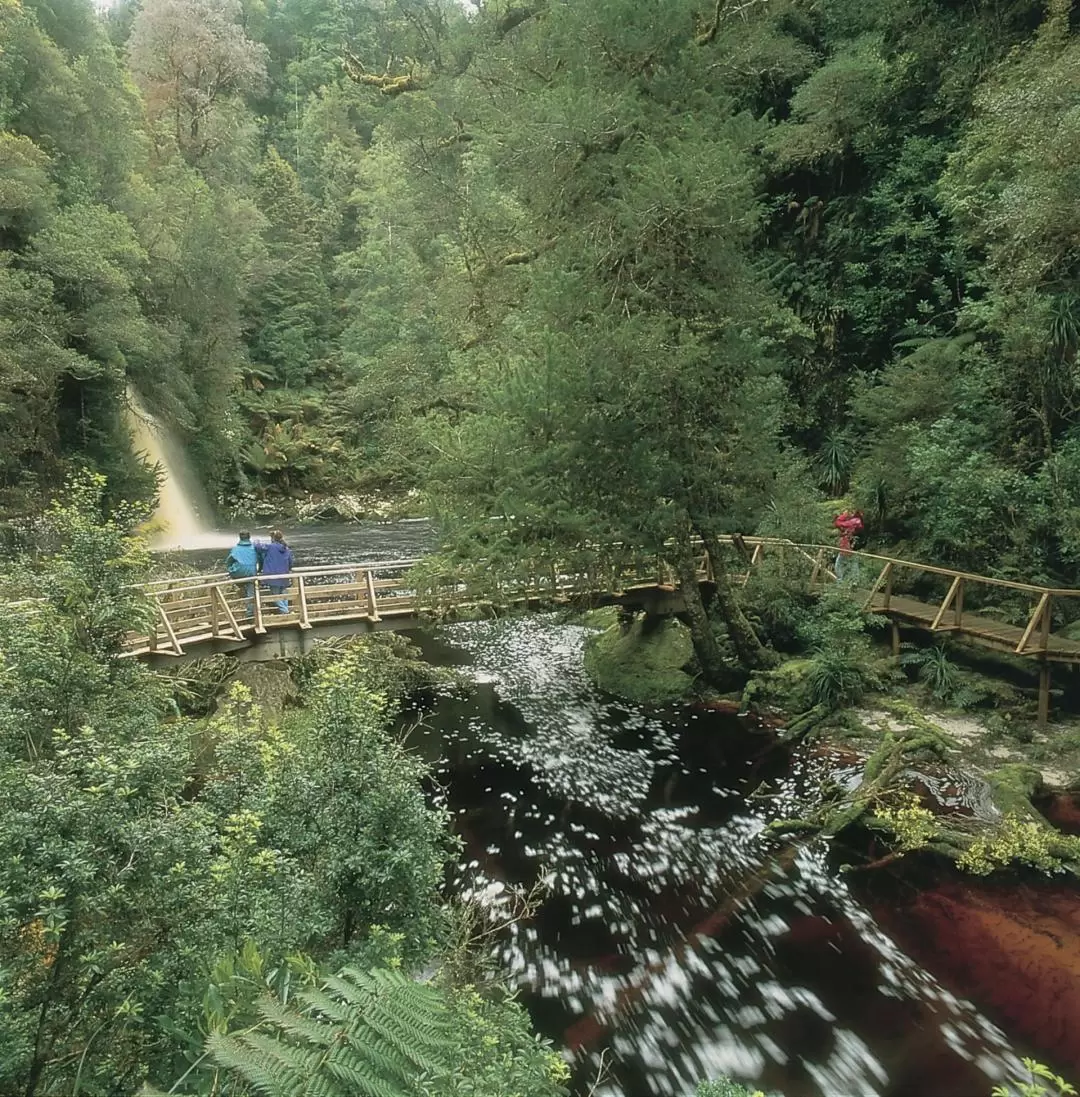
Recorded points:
(314,545)
(676,939)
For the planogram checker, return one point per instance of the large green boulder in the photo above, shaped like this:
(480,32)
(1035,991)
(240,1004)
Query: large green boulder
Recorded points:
(645,662)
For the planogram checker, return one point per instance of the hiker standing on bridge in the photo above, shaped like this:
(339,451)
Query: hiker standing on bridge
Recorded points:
(243,561)
(850,525)
(277,561)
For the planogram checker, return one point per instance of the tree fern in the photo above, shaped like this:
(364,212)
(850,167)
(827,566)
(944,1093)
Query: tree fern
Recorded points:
(380,1034)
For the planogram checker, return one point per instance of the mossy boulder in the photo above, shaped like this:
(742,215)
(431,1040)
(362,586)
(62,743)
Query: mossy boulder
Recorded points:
(645,663)
(782,687)
(601,618)
(1013,786)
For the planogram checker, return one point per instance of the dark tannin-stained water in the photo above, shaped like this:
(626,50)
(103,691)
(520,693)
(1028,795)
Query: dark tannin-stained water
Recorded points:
(677,939)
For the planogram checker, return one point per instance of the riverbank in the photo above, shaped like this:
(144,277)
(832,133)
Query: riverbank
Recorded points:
(679,937)
(858,699)
(956,830)
(343,506)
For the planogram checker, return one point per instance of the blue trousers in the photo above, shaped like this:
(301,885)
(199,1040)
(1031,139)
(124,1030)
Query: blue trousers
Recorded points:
(278,587)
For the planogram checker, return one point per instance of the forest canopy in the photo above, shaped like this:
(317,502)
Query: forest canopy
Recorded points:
(615,267)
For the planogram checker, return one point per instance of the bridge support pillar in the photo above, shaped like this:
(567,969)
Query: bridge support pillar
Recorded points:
(895,638)
(1044,693)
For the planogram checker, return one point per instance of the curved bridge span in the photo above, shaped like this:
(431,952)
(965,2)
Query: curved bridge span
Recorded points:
(201,615)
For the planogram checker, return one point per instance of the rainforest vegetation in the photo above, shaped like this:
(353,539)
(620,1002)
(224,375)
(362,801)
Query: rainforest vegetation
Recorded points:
(579,272)
(611,266)
(623,271)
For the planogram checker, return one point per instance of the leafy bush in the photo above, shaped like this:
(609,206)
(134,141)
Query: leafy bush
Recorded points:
(1019,839)
(841,668)
(778,609)
(912,825)
(1041,1082)
(949,683)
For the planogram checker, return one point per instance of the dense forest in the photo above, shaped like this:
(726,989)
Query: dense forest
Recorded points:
(704,261)
(616,272)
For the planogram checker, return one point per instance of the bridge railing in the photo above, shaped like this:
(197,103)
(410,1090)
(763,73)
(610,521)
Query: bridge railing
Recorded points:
(194,609)
(200,609)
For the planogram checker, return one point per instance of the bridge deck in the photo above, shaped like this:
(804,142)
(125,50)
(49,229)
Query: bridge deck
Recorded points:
(202,614)
(988,631)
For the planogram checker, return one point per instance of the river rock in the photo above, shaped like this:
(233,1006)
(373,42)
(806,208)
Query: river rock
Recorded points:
(644,661)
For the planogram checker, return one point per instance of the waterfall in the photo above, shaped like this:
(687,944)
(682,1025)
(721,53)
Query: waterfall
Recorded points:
(176,522)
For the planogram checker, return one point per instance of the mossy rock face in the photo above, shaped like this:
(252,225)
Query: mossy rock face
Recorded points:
(782,687)
(271,685)
(644,663)
(1013,786)
(604,617)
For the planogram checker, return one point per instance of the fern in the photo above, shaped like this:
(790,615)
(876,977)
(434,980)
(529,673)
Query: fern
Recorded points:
(380,1034)
(362,1033)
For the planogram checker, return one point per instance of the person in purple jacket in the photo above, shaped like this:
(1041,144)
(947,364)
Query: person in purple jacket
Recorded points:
(277,560)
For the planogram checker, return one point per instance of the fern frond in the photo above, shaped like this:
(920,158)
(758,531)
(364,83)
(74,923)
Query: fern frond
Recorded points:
(411,1044)
(369,1053)
(228,1052)
(295,1024)
(317,1000)
(289,1064)
(361,1034)
(352,986)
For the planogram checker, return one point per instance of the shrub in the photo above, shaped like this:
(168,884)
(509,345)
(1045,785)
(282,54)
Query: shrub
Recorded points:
(841,668)
(1019,839)
(1041,1082)
(912,825)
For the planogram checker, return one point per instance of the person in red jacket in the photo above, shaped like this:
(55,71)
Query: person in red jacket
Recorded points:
(850,525)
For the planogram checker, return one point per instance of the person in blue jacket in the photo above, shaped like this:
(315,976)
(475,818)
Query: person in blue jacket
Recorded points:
(277,561)
(243,561)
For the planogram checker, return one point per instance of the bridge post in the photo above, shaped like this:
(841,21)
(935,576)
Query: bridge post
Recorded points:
(895,638)
(305,621)
(373,609)
(1044,693)
(259,626)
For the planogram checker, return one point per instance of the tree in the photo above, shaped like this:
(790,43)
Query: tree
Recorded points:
(149,855)
(290,305)
(620,384)
(192,59)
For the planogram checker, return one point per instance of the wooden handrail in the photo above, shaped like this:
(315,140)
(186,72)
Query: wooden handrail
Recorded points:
(199,608)
(807,549)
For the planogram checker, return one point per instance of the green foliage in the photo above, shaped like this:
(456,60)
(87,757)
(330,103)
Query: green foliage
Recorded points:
(352,815)
(1041,1082)
(946,681)
(912,825)
(1019,838)
(380,1032)
(841,666)
(162,873)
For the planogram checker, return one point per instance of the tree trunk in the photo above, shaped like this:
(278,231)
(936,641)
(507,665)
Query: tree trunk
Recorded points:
(706,648)
(751,652)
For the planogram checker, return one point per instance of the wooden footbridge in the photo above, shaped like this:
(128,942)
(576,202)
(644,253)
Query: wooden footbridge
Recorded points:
(200,615)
